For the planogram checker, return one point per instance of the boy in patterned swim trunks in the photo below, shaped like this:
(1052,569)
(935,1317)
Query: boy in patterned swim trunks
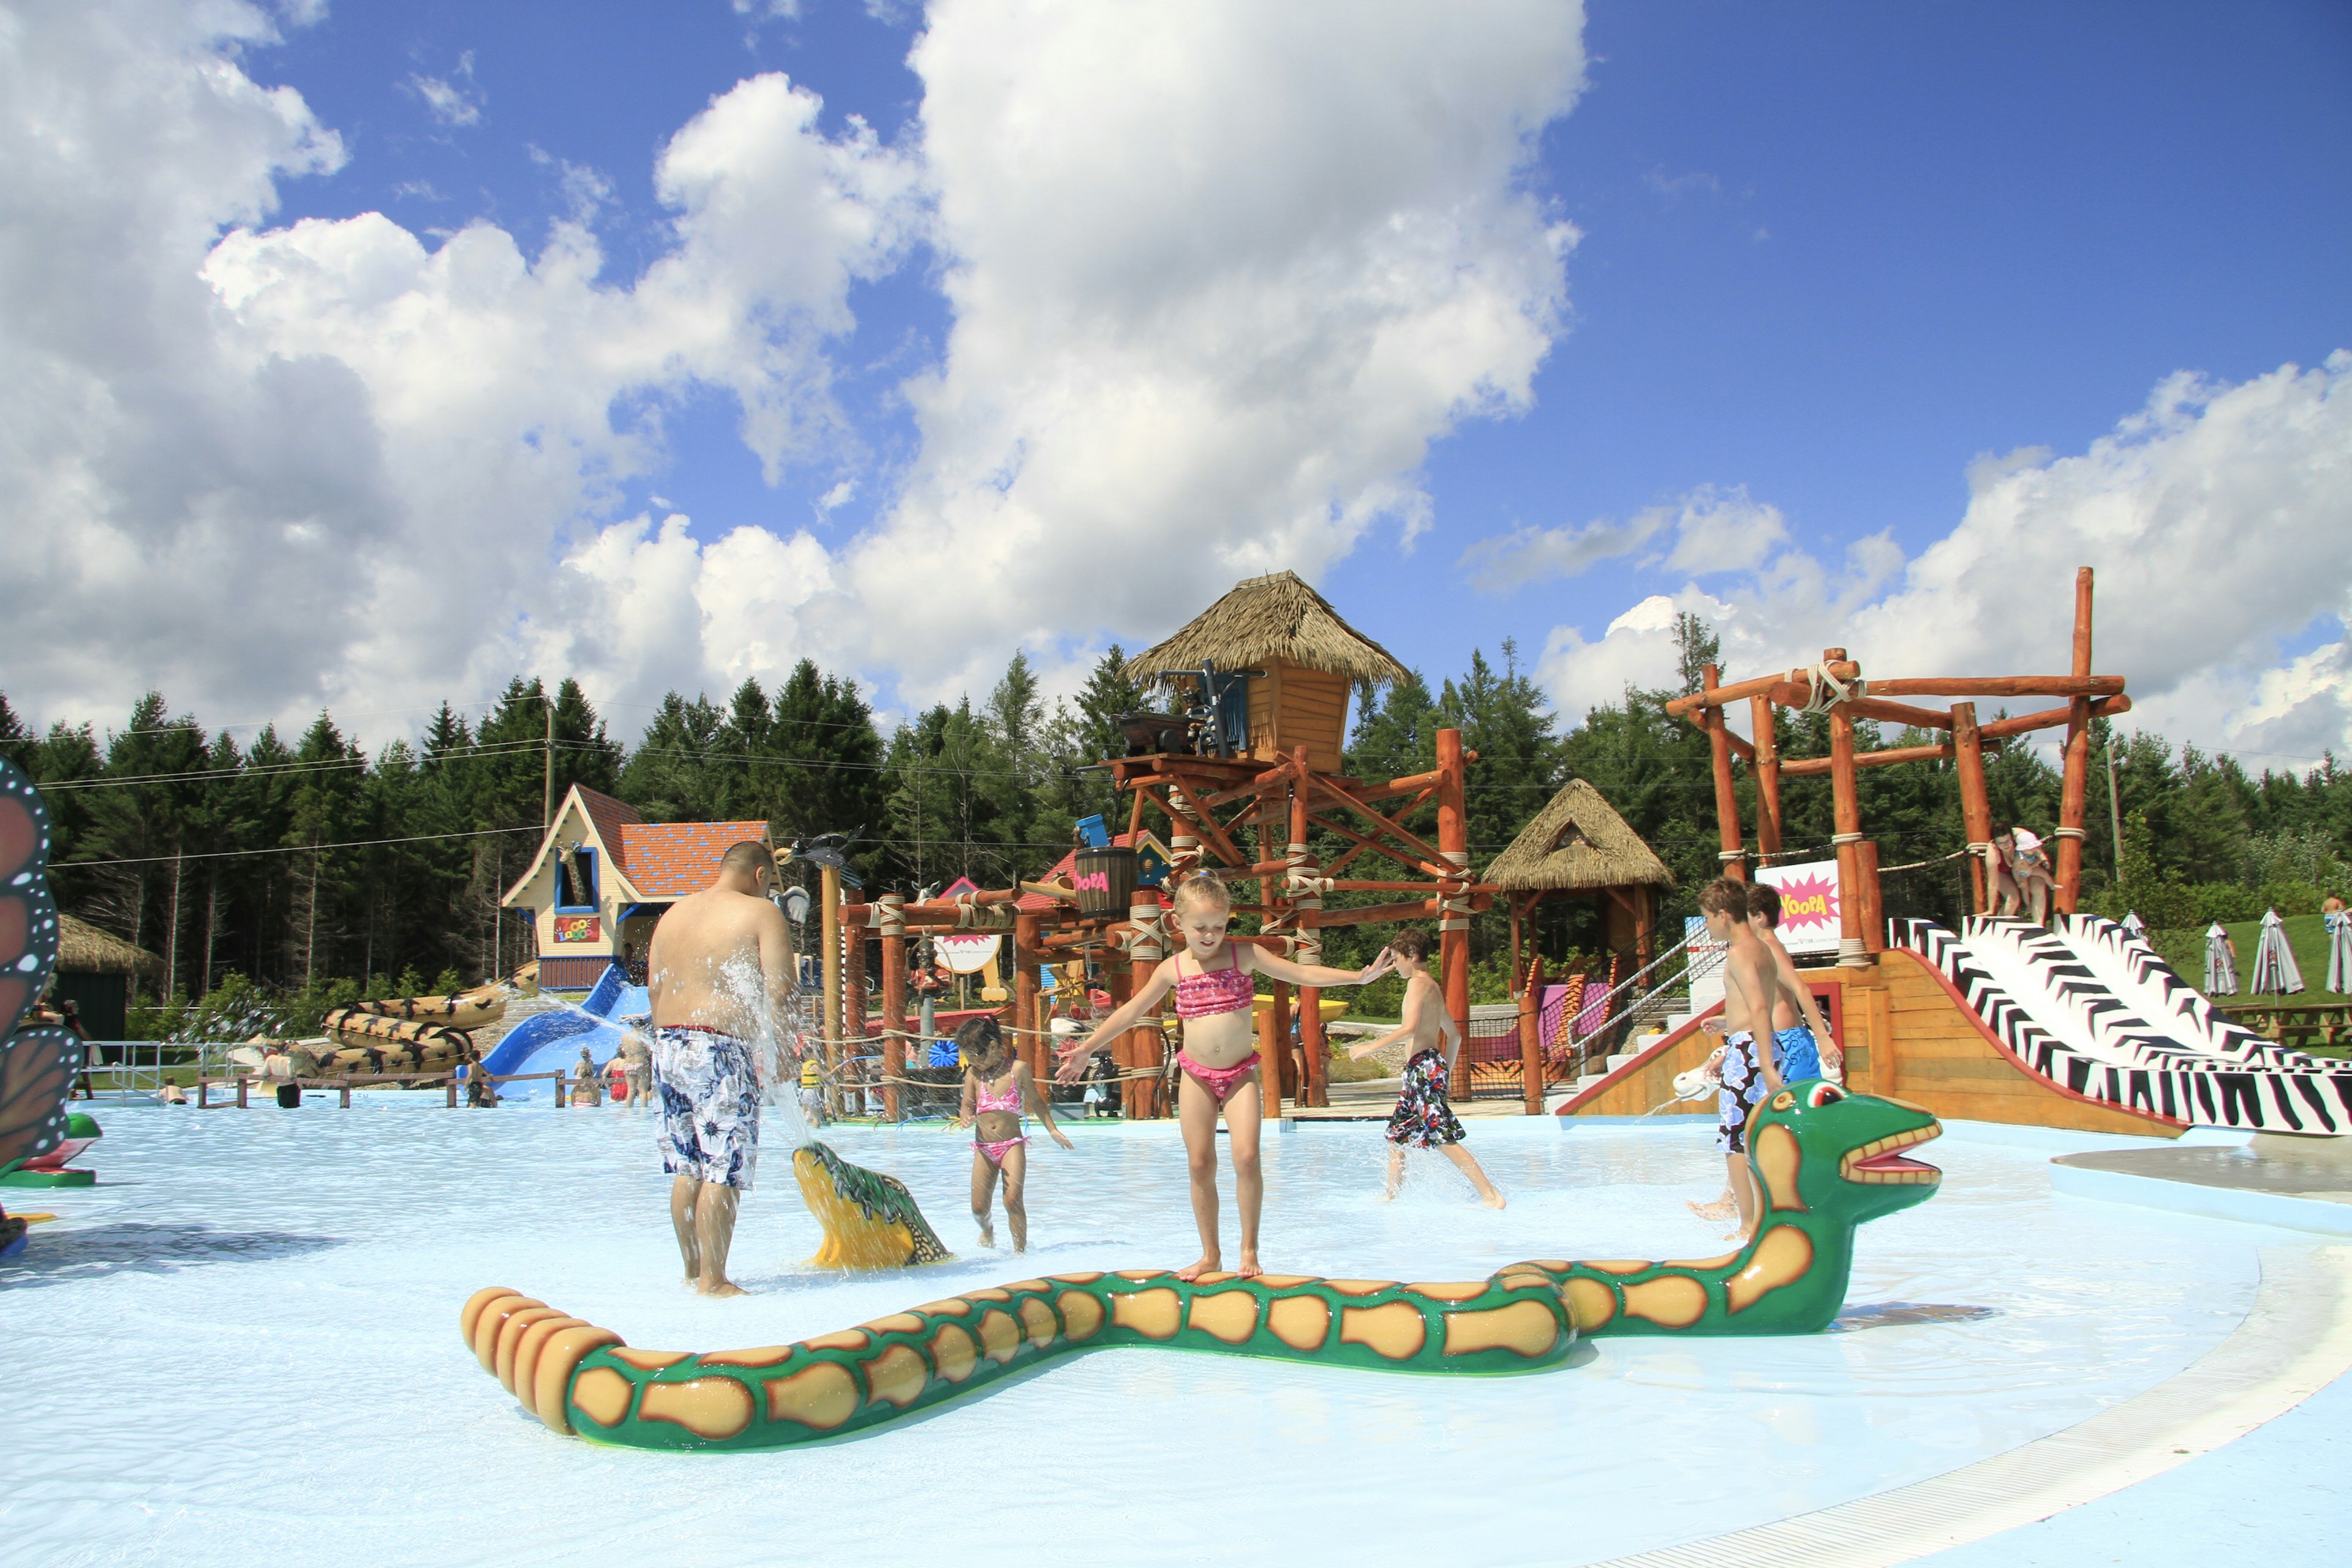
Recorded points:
(1750,989)
(721,975)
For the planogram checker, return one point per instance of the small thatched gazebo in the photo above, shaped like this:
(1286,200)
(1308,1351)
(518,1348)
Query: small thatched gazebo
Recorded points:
(1579,845)
(95,969)
(1299,656)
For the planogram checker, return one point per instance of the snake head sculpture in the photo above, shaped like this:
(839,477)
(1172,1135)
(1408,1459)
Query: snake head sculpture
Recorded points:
(1833,1150)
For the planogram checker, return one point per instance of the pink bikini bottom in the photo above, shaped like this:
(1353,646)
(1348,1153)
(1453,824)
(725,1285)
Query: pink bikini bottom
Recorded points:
(1220,1082)
(995,1152)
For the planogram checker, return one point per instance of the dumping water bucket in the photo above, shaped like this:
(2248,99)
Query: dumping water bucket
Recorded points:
(1104,881)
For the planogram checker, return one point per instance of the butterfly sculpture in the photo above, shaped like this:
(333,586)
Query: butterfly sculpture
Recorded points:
(36,1065)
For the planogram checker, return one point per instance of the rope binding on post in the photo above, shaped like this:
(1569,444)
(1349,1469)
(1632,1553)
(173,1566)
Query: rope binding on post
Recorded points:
(1825,690)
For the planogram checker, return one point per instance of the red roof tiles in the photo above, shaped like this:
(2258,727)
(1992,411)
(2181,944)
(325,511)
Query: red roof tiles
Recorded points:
(671,859)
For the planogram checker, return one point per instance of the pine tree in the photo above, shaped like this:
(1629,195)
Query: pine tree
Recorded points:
(17,743)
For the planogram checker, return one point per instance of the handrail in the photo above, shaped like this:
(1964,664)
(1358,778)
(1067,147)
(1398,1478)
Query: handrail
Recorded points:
(1575,1049)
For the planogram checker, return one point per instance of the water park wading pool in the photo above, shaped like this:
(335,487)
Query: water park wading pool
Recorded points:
(287,1284)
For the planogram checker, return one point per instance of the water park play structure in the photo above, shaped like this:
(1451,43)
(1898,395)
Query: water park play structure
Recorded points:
(2081,1025)
(1268,668)
(1827,1160)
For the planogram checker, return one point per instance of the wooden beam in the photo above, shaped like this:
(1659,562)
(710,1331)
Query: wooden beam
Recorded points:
(1793,694)
(1396,830)
(2049,718)
(2083,685)
(1806,766)
(1737,690)
(1743,749)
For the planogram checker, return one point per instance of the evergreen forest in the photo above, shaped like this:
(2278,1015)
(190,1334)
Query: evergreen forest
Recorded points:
(306,867)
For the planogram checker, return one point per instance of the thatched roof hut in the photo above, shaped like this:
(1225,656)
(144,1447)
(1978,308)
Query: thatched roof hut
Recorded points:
(1578,844)
(1297,655)
(84,949)
(1273,618)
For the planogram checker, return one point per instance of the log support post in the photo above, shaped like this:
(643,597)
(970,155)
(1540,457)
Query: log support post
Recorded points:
(1314,1087)
(2069,869)
(831,1032)
(1146,1045)
(1029,1045)
(1976,803)
(855,1044)
(1767,780)
(1854,900)
(1733,858)
(893,907)
(1454,921)
(1531,1073)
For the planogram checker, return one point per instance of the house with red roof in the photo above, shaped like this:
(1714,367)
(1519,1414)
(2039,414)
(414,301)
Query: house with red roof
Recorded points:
(603,875)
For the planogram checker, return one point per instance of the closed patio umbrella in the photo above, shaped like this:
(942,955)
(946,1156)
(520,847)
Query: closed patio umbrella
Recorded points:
(2220,969)
(2275,967)
(2339,953)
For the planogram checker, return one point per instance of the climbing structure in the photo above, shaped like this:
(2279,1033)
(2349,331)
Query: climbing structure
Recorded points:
(1837,686)
(1272,664)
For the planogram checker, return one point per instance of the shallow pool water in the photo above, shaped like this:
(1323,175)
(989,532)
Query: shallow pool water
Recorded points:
(243,1346)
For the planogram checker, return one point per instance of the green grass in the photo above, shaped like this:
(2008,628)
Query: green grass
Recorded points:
(2185,951)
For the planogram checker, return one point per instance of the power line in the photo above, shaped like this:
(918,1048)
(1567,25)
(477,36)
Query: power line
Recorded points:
(288,849)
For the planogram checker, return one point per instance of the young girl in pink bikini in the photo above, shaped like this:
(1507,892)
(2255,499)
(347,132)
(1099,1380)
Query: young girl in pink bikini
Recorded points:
(995,1087)
(1215,997)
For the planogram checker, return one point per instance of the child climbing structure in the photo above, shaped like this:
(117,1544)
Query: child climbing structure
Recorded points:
(1236,784)
(2078,1025)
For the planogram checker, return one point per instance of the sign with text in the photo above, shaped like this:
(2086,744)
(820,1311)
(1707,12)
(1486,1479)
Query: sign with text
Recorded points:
(1810,916)
(577,928)
(968,953)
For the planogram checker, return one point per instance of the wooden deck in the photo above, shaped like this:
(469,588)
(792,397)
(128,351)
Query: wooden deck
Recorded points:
(1907,1035)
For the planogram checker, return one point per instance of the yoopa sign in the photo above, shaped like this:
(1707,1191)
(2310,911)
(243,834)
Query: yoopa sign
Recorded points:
(1809,915)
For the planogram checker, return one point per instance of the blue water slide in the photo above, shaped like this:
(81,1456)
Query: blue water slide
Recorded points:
(548,1041)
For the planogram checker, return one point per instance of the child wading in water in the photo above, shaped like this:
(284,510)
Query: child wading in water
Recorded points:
(995,1087)
(1215,997)
(1424,1119)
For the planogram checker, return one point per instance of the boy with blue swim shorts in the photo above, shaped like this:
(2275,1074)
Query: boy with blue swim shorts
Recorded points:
(1798,1033)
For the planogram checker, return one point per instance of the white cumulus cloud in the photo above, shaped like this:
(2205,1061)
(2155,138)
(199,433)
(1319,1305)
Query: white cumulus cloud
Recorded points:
(1221,273)
(283,466)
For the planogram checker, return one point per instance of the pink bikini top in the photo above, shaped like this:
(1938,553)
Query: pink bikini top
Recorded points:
(1214,991)
(1009,1101)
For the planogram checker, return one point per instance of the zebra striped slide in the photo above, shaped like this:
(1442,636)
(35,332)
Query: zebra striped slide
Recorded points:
(2096,1012)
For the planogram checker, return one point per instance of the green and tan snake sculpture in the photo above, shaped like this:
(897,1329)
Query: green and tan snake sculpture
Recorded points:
(1826,1160)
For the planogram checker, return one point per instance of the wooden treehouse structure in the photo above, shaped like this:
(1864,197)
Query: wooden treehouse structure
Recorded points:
(1906,1030)
(1238,785)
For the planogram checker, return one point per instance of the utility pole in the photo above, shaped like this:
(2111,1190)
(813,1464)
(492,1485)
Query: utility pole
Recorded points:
(2115,812)
(547,800)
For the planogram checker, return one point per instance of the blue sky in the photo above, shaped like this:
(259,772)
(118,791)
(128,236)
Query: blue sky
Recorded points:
(1827,257)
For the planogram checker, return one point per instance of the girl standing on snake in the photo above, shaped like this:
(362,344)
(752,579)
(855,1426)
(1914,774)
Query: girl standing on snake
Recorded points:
(1215,997)
(995,1087)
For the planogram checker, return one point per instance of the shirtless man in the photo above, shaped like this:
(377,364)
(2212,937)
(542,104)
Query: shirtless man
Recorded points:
(1751,992)
(709,1019)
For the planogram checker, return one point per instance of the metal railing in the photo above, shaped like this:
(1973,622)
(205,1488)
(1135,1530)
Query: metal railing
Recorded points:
(1627,1009)
(137,1070)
